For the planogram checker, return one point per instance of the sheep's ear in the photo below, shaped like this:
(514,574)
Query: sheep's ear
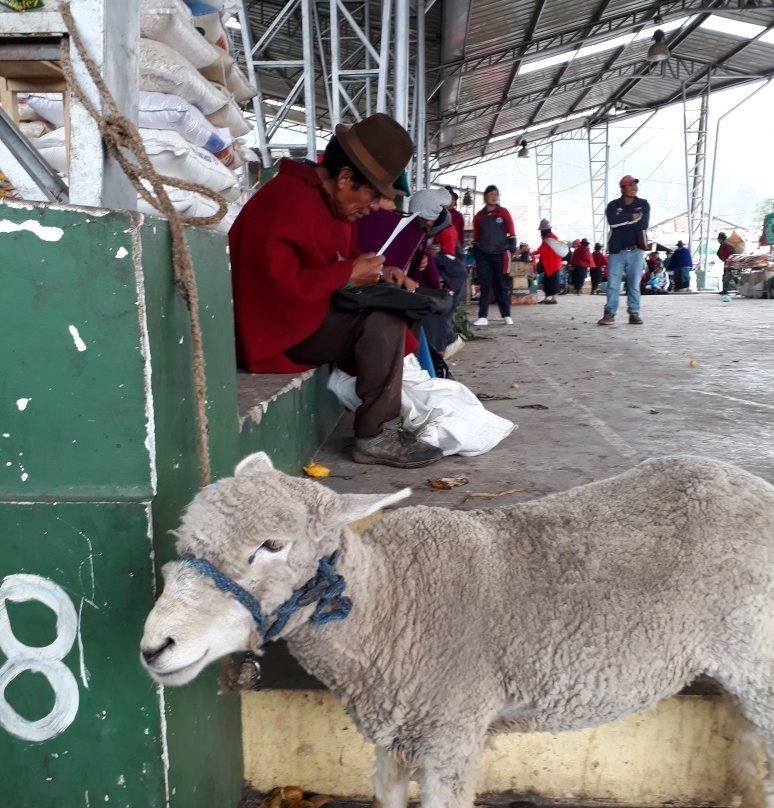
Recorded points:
(257,462)
(358,506)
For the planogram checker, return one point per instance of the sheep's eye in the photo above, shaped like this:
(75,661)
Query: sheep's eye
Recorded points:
(270,546)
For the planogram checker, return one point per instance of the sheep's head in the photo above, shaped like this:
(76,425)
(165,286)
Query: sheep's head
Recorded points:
(264,530)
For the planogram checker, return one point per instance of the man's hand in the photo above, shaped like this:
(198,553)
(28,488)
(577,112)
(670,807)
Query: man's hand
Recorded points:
(636,216)
(367,269)
(398,277)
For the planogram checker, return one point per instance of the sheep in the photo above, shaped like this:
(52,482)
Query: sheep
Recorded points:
(441,627)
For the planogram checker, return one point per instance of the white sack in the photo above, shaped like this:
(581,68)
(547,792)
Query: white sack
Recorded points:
(169,153)
(154,111)
(52,149)
(172,155)
(441,412)
(230,117)
(191,204)
(49,106)
(226,72)
(213,30)
(164,70)
(171,22)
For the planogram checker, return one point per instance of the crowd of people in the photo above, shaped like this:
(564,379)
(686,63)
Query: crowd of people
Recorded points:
(334,283)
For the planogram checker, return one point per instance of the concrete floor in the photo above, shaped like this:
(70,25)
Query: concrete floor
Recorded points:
(697,377)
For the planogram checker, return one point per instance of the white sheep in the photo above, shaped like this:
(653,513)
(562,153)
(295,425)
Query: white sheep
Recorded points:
(565,612)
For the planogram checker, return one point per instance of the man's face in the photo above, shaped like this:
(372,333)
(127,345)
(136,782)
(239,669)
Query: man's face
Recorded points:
(353,202)
(492,197)
(630,189)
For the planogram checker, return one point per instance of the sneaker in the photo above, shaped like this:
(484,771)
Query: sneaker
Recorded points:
(454,348)
(507,321)
(634,318)
(607,319)
(481,321)
(395,447)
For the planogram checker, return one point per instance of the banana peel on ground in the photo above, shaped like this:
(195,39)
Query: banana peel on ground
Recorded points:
(316,470)
(293,797)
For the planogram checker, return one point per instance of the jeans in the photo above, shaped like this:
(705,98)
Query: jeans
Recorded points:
(633,261)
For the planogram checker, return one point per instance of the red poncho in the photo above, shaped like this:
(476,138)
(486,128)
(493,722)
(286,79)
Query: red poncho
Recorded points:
(289,252)
(550,260)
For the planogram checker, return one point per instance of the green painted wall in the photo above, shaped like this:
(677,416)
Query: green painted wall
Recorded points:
(294,425)
(97,458)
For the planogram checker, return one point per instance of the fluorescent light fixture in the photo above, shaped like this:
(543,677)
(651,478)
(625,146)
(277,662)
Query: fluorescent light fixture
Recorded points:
(541,125)
(549,61)
(725,25)
(233,22)
(607,44)
(600,47)
(647,33)
(270,102)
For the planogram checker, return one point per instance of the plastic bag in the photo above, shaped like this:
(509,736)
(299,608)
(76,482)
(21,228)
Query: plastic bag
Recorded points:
(441,412)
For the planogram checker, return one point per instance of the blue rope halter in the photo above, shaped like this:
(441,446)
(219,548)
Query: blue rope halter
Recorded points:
(325,588)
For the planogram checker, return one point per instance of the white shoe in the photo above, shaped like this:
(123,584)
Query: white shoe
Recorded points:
(453,348)
(507,321)
(481,321)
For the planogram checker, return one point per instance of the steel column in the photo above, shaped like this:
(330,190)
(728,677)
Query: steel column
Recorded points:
(259,124)
(310,101)
(384,57)
(695,126)
(422,169)
(598,168)
(335,64)
(401,48)
(544,158)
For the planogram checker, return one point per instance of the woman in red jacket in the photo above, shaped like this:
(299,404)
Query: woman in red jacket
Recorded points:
(598,269)
(549,262)
(580,262)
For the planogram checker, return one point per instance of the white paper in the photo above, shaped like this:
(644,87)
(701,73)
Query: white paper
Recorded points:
(401,224)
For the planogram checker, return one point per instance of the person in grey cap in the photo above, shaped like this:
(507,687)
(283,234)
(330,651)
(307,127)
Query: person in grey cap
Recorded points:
(494,243)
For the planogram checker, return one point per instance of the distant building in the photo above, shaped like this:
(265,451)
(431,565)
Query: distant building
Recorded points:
(674,229)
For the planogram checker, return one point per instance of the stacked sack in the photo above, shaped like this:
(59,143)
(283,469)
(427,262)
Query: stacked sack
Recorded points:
(188,109)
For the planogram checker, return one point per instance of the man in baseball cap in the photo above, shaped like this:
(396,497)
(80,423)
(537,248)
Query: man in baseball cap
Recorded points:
(628,218)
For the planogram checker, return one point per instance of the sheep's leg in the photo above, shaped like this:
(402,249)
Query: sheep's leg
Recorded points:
(448,779)
(752,752)
(391,781)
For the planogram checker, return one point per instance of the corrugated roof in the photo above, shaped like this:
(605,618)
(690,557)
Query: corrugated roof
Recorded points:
(490,98)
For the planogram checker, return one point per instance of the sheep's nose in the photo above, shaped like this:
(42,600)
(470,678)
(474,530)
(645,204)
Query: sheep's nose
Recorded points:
(150,655)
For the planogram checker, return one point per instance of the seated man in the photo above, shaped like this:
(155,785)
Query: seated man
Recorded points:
(292,246)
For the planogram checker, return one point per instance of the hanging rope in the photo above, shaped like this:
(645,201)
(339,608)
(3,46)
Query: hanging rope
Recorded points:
(119,134)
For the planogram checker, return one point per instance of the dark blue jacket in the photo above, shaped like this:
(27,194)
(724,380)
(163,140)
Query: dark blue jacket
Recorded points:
(623,230)
(681,257)
(493,231)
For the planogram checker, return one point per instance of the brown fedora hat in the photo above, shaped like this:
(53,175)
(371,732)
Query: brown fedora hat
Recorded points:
(380,147)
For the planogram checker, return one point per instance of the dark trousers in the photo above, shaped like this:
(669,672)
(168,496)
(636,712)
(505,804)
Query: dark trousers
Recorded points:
(578,275)
(370,344)
(454,273)
(491,276)
(596,277)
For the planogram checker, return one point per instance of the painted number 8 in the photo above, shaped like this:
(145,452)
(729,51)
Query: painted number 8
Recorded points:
(45,659)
